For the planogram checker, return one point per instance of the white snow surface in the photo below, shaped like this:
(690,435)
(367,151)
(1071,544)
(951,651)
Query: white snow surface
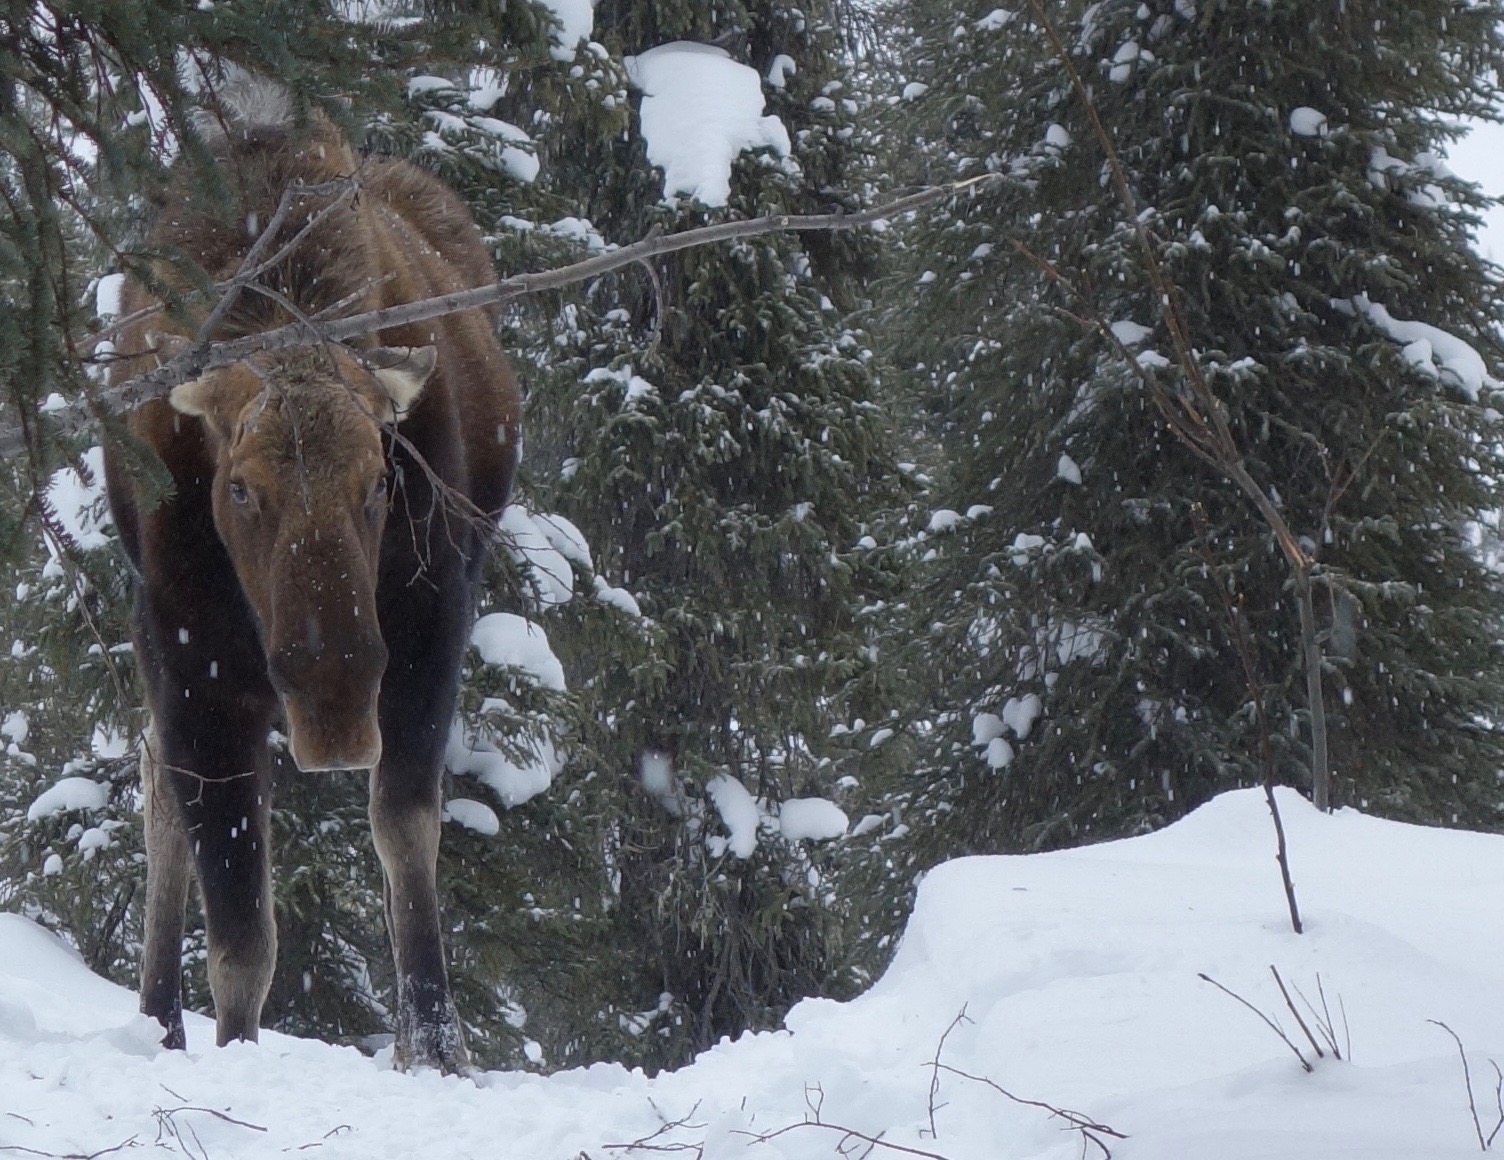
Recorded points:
(700,109)
(739,813)
(1440,353)
(1307,122)
(1077,972)
(79,505)
(1020,713)
(1130,333)
(107,295)
(504,638)
(534,548)
(576,22)
(473,815)
(511,781)
(811,818)
(69,793)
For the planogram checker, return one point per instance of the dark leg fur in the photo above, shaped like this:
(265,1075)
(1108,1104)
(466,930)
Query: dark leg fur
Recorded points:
(168,864)
(425,625)
(209,801)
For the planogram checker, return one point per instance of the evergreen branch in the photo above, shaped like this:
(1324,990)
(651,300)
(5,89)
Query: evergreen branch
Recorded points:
(1206,430)
(198,358)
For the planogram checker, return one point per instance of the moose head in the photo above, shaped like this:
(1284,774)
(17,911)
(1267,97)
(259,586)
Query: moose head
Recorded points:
(300,502)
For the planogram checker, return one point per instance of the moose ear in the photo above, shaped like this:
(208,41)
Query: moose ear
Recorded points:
(195,397)
(402,371)
(217,398)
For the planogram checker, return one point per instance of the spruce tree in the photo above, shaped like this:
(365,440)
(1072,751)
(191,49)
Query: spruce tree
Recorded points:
(1284,162)
(711,426)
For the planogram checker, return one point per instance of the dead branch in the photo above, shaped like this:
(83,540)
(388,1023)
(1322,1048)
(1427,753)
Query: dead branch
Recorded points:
(814,1098)
(935,1067)
(1270,1023)
(66,1155)
(653,1142)
(184,1135)
(1467,1083)
(1075,1121)
(1322,1018)
(256,263)
(193,361)
(1299,1019)
(1239,636)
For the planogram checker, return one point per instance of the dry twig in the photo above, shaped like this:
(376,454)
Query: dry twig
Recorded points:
(814,1098)
(655,1142)
(1485,1143)
(1272,1025)
(66,1155)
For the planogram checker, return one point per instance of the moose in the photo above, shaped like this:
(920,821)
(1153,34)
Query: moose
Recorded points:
(313,565)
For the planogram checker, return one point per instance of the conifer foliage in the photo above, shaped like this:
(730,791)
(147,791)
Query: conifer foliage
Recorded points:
(1284,163)
(622,877)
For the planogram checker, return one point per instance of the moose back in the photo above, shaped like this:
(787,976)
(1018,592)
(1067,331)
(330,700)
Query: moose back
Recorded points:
(315,561)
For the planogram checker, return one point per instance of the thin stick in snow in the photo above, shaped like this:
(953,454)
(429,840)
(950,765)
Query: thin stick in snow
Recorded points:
(935,1067)
(1272,1025)
(1311,1039)
(1467,1082)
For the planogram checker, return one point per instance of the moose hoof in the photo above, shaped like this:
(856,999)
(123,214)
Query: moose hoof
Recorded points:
(175,1039)
(426,1046)
(454,1061)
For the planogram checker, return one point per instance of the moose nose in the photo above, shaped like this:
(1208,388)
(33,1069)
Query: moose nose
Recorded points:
(309,663)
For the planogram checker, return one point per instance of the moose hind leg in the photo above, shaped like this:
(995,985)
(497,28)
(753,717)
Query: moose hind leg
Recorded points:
(168,865)
(405,826)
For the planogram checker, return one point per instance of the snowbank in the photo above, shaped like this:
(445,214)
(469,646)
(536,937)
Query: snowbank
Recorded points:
(1077,972)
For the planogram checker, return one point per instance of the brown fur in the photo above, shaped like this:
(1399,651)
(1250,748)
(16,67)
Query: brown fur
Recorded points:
(306,567)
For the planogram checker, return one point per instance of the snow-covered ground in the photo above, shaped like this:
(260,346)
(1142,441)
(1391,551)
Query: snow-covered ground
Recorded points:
(1078,975)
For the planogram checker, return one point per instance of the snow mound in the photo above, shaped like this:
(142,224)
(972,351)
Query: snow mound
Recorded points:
(71,793)
(77,499)
(473,815)
(811,818)
(1307,122)
(1077,972)
(533,547)
(503,638)
(700,109)
(576,21)
(1437,352)
(739,813)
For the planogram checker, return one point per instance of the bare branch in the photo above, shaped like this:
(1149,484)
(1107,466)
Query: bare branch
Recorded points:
(935,1067)
(66,1155)
(253,265)
(1311,1039)
(1467,1081)
(191,363)
(1075,1119)
(847,1134)
(1273,1026)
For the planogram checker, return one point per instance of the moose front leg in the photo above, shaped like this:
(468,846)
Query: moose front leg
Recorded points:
(211,775)
(405,825)
(230,843)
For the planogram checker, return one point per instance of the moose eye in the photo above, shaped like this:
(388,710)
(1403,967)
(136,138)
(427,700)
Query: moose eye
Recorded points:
(238,492)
